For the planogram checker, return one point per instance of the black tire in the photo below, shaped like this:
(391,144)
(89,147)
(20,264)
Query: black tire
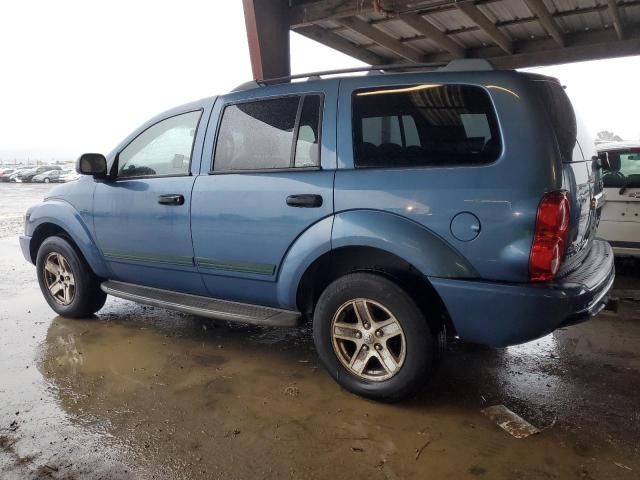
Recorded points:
(420,341)
(86,298)
(46,180)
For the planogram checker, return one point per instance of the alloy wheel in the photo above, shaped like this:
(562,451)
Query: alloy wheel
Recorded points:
(59,278)
(368,339)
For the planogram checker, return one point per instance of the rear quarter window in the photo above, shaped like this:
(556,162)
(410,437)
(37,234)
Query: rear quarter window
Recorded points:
(561,117)
(424,125)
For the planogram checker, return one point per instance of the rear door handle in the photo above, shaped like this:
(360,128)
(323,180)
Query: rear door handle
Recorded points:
(171,199)
(304,201)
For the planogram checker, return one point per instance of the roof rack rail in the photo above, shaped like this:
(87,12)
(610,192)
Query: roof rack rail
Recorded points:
(458,65)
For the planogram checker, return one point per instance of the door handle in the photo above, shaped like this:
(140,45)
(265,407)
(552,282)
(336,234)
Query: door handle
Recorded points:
(304,201)
(171,199)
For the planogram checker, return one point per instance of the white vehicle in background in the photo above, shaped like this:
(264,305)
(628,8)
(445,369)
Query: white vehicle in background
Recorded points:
(620,220)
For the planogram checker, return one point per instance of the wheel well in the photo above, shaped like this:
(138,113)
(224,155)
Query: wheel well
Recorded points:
(45,231)
(339,262)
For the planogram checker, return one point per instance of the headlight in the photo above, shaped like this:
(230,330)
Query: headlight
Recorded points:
(26,221)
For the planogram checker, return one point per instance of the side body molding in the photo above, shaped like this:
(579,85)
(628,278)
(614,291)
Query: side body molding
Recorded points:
(61,213)
(414,243)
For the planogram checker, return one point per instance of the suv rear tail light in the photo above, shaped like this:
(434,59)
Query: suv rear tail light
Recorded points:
(550,236)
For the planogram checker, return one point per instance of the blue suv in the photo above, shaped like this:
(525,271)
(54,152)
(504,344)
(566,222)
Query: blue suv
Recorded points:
(393,210)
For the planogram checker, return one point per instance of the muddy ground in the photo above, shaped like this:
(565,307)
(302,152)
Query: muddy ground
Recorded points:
(138,392)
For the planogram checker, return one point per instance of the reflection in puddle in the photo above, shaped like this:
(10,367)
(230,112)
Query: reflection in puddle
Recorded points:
(203,399)
(545,346)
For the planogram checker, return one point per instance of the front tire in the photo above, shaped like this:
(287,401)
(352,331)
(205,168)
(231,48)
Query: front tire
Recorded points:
(46,180)
(66,280)
(372,337)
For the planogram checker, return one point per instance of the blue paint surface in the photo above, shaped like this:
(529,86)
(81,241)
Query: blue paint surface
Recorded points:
(236,238)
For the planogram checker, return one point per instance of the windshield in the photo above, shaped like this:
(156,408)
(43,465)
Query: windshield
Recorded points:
(624,168)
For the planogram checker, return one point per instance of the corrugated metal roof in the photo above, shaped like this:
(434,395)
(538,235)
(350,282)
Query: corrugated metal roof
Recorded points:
(577,22)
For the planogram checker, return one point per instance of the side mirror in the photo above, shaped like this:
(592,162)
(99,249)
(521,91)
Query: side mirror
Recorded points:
(92,164)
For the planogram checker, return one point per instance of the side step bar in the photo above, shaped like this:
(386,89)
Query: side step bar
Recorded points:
(202,306)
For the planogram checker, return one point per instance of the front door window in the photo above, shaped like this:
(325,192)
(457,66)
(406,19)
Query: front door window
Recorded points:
(164,149)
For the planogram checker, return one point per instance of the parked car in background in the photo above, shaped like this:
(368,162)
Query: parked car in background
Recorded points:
(13,177)
(50,176)
(620,222)
(450,203)
(24,175)
(27,175)
(6,173)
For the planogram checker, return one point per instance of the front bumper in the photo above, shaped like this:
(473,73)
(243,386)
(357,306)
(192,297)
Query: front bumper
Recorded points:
(502,314)
(25,242)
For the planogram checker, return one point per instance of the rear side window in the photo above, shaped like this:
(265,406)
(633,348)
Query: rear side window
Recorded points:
(424,125)
(269,134)
(561,116)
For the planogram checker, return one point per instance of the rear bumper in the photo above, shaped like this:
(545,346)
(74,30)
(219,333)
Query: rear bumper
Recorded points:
(25,242)
(501,314)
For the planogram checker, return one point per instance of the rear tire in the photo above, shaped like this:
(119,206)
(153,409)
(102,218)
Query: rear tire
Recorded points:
(372,337)
(69,286)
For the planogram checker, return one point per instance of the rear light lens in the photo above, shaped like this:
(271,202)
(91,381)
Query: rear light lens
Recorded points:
(550,237)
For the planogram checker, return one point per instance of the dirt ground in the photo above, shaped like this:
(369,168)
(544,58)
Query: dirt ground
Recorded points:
(138,392)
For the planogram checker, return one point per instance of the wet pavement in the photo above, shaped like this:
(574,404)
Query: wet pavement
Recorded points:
(139,392)
(15,198)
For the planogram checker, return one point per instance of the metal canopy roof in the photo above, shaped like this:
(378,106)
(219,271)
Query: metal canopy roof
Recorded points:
(510,33)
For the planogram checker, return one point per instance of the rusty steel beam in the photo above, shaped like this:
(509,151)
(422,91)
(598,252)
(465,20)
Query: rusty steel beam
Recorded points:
(267,24)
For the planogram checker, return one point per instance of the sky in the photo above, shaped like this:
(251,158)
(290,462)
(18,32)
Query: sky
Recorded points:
(78,76)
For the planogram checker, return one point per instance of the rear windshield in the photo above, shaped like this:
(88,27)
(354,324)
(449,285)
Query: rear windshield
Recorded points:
(561,117)
(424,125)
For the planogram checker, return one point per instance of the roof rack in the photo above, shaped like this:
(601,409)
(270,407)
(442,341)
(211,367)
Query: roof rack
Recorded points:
(458,65)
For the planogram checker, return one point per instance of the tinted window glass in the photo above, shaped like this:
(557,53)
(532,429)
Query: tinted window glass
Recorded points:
(308,143)
(410,129)
(259,135)
(424,125)
(162,149)
(561,116)
(624,169)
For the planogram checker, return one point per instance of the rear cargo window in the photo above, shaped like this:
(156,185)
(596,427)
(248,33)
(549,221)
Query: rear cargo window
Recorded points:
(424,125)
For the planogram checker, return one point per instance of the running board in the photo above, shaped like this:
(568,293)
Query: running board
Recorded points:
(203,306)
